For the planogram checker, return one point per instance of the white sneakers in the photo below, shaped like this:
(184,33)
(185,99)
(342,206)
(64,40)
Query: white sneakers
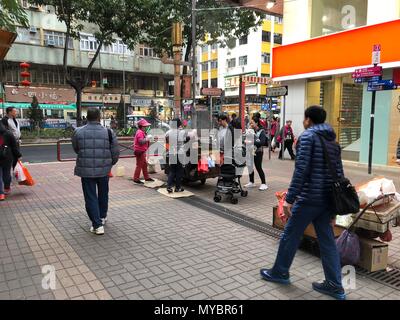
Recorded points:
(250,185)
(263,187)
(98,231)
(103,221)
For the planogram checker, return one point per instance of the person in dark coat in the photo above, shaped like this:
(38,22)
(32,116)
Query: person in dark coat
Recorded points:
(286,139)
(309,201)
(8,153)
(398,152)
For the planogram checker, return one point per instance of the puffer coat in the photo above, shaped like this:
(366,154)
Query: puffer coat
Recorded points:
(96,155)
(312,182)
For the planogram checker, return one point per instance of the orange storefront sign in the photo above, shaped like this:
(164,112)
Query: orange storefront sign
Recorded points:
(342,50)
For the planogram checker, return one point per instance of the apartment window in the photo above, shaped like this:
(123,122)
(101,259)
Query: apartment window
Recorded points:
(243,61)
(214,64)
(231,63)
(204,48)
(25,4)
(266,57)
(268,17)
(204,66)
(26,36)
(243,41)
(277,38)
(266,36)
(145,51)
(214,83)
(279,20)
(204,83)
(265,75)
(88,43)
(57,39)
(214,47)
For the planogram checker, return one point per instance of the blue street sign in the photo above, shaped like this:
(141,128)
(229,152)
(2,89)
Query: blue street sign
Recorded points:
(381,85)
(362,80)
(265,107)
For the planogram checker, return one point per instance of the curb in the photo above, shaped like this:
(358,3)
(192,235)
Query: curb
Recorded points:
(353,164)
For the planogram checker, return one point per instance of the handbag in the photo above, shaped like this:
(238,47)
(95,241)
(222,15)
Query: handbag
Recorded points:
(344,195)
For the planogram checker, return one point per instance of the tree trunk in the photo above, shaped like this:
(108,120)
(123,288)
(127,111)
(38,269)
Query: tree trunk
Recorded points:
(78,106)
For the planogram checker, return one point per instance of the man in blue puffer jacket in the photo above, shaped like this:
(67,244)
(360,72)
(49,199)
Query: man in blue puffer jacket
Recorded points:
(308,201)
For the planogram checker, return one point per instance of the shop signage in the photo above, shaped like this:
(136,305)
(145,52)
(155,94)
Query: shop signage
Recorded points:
(362,80)
(212,92)
(44,95)
(258,80)
(146,102)
(277,91)
(381,85)
(234,81)
(376,54)
(108,98)
(368,72)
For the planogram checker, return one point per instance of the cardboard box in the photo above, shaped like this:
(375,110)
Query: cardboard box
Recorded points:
(309,232)
(374,255)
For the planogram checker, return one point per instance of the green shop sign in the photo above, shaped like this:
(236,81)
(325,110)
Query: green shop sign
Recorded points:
(41,105)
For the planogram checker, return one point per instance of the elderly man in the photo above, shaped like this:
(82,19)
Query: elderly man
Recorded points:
(97,149)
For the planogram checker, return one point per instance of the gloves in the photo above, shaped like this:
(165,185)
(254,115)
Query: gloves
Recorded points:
(149,137)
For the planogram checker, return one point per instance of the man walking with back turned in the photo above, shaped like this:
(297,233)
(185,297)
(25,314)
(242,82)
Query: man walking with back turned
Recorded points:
(97,149)
(309,201)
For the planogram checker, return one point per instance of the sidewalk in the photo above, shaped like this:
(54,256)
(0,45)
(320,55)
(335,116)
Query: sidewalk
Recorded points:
(154,247)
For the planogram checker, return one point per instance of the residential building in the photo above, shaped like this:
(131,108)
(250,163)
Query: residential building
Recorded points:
(41,45)
(251,55)
(324,42)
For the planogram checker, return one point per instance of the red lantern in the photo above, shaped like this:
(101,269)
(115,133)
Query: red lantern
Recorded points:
(25,74)
(94,84)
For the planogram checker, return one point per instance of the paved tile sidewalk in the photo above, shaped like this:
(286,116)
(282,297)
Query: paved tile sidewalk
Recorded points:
(154,248)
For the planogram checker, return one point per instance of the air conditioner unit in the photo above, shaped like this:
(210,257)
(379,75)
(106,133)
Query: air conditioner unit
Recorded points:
(32,30)
(50,43)
(229,53)
(91,55)
(159,93)
(34,6)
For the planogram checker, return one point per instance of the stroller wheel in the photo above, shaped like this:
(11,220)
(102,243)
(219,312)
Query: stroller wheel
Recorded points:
(217,198)
(244,194)
(234,200)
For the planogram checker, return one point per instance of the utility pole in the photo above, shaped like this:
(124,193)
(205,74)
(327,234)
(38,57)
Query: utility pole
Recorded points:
(177,49)
(123,85)
(194,44)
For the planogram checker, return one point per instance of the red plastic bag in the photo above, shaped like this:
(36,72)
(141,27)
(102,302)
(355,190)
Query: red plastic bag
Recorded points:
(28,178)
(281,196)
(202,166)
(387,236)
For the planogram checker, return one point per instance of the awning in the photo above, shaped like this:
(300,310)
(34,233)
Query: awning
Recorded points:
(42,106)
(6,40)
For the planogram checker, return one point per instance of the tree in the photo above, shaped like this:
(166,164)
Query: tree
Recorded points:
(121,114)
(35,114)
(153,111)
(12,14)
(214,20)
(107,19)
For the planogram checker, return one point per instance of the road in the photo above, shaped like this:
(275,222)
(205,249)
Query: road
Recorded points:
(42,153)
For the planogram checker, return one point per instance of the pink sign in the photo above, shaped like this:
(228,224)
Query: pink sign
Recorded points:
(367,72)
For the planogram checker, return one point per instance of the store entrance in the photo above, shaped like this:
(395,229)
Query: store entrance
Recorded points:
(342,100)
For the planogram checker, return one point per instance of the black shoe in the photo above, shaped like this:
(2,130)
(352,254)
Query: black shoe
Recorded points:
(150,180)
(138,182)
(179,189)
(169,189)
(330,290)
(267,275)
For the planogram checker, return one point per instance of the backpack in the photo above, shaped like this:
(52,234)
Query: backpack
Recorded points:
(4,149)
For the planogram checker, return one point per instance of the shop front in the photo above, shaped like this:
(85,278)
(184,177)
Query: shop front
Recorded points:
(153,107)
(319,72)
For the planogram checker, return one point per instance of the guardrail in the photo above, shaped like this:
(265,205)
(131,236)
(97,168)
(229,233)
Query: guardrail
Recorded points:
(123,148)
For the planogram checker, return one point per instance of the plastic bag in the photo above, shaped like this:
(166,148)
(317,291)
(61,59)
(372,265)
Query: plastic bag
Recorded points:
(28,178)
(202,166)
(211,162)
(281,196)
(348,245)
(19,172)
(374,189)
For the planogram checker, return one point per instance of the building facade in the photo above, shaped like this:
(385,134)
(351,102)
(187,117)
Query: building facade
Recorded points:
(324,42)
(248,56)
(41,45)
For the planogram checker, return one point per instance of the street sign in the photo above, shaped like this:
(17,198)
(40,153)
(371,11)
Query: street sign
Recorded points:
(368,72)
(265,107)
(277,91)
(362,80)
(257,80)
(212,92)
(376,54)
(381,85)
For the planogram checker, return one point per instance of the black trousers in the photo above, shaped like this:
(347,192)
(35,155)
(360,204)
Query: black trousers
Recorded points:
(287,145)
(258,158)
(175,175)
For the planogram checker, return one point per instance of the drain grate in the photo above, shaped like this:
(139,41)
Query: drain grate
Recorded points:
(389,277)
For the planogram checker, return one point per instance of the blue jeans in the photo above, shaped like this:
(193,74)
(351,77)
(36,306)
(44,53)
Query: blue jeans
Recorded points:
(95,191)
(302,216)
(5,177)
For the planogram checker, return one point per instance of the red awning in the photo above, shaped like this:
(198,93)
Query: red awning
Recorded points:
(6,40)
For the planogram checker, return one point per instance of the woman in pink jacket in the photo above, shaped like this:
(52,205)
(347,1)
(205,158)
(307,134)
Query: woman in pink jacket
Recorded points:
(141,145)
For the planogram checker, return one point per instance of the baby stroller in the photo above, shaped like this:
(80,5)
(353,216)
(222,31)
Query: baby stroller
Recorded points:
(229,180)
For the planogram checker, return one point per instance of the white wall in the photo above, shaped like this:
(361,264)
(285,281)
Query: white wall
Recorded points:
(383,10)
(296,21)
(295,104)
